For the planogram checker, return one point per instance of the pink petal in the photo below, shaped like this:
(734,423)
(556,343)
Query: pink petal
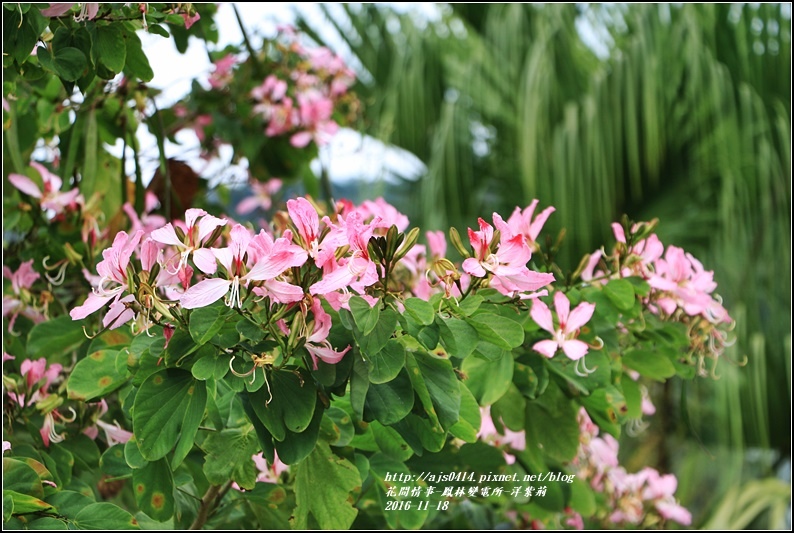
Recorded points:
(579,316)
(473,267)
(205,292)
(205,260)
(93,303)
(280,291)
(167,235)
(301,139)
(58,9)
(574,349)
(541,314)
(25,184)
(547,348)
(617,229)
(562,306)
(119,314)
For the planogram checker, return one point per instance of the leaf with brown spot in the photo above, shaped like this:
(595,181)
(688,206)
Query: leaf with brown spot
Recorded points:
(95,376)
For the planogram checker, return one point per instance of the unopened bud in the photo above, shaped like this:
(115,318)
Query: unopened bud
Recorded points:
(71,254)
(443,267)
(296,329)
(49,403)
(409,241)
(216,233)
(179,233)
(454,238)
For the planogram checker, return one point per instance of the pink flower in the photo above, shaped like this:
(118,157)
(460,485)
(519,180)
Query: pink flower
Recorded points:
(50,195)
(6,446)
(314,111)
(358,268)
(147,221)
(88,11)
(283,255)
(269,473)
(521,222)
(261,197)
(569,324)
(223,68)
(317,343)
(190,19)
(113,281)
(307,223)
(193,239)
(508,264)
(510,439)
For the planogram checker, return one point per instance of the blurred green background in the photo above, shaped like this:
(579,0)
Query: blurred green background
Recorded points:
(677,112)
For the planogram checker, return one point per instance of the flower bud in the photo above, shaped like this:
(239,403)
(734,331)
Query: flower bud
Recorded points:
(410,240)
(454,238)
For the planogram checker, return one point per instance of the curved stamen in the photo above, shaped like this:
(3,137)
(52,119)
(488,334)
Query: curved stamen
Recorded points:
(239,375)
(581,368)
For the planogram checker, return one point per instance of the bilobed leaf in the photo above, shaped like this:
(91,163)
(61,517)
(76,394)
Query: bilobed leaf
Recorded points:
(297,446)
(332,506)
(288,406)
(54,338)
(458,338)
(380,467)
(104,516)
(442,384)
(391,401)
(551,425)
(621,293)
(95,376)
(504,333)
(229,456)
(159,410)
(653,364)
(470,419)
(607,408)
(387,363)
(374,341)
(488,380)
(364,315)
(19,476)
(25,503)
(136,63)
(420,310)
(153,486)
(113,463)
(110,47)
(205,322)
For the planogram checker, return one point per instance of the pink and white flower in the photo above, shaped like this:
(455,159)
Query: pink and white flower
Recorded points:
(568,329)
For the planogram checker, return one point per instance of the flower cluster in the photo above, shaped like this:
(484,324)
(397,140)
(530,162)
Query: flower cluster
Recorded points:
(309,85)
(643,498)
(680,288)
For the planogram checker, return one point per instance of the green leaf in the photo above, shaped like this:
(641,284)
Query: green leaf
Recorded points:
(132,454)
(113,462)
(331,507)
(621,293)
(510,409)
(382,467)
(291,407)
(488,380)
(505,333)
(607,408)
(194,414)
(531,380)
(159,411)
(551,425)
(205,322)
(136,64)
(47,523)
(390,402)
(359,386)
(458,338)
(179,347)
(271,506)
(95,376)
(110,47)
(421,434)
(583,499)
(654,364)
(210,366)
(67,62)
(20,477)
(104,516)
(442,385)
(420,310)
(365,316)
(373,342)
(633,396)
(390,442)
(153,486)
(229,456)
(25,503)
(337,427)
(69,503)
(387,363)
(297,446)
(159,30)
(54,338)
(249,331)
(470,419)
